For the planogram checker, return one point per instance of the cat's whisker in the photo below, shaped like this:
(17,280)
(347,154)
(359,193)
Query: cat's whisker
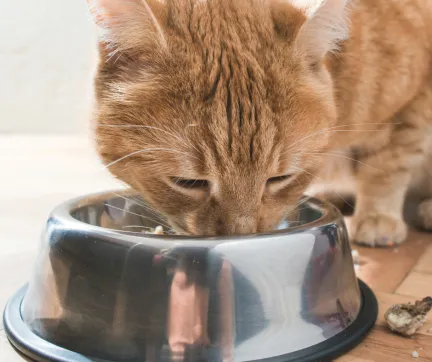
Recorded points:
(300,203)
(112,55)
(149,229)
(293,221)
(141,216)
(140,233)
(318,178)
(336,128)
(138,126)
(136,227)
(139,203)
(326,131)
(345,157)
(289,149)
(134,232)
(144,206)
(298,210)
(148,208)
(298,182)
(145,150)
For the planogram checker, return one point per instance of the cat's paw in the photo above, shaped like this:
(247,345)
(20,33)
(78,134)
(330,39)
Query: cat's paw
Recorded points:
(424,213)
(378,230)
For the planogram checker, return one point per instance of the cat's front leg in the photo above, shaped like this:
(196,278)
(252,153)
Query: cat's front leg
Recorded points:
(383,179)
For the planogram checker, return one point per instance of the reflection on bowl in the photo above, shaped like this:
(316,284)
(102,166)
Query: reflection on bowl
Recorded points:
(103,289)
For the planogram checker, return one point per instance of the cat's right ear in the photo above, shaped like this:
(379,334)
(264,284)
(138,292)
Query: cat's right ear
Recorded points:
(129,25)
(316,26)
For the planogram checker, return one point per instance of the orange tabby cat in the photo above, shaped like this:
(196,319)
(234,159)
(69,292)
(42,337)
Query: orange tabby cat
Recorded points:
(223,112)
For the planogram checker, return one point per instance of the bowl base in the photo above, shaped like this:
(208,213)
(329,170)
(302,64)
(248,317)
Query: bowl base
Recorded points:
(40,350)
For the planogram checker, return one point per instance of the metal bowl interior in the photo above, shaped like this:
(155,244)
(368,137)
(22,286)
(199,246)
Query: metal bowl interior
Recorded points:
(104,289)
(128,213)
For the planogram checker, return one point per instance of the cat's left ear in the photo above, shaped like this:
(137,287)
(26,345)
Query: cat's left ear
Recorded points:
(130,24)
(323,25)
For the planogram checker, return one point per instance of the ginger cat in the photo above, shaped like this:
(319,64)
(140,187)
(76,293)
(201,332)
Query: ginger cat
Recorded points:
(222,113)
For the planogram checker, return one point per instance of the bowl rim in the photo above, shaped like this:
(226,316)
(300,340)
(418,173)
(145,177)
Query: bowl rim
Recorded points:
(330,215)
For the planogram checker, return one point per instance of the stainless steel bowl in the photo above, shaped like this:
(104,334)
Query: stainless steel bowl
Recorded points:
(103,290)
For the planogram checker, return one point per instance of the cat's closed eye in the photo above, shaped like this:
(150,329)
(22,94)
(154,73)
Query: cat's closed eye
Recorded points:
(190,184)
(276,183)
(277,179)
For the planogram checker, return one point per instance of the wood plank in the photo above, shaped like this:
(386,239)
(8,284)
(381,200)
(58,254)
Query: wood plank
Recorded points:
(418,285)
(382,346)
(425,263)
(386,268)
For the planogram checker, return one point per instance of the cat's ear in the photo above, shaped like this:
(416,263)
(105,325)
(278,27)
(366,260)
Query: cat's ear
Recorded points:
(324,25)
(130,24)
(325,28)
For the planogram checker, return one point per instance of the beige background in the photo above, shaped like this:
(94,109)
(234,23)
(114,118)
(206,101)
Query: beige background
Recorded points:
(47,56)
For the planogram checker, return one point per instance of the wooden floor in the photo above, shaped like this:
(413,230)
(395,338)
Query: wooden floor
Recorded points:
(398,275)
(43,171)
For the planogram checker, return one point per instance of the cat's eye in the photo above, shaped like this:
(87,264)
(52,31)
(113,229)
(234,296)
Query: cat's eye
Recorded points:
(278,179)
(190,184)
(274,184)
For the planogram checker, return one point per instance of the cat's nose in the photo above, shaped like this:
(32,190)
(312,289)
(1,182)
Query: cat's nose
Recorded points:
(245,225)
(239,225)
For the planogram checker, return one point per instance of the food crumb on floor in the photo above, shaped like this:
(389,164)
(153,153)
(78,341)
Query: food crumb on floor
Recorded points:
(407,319)
(415,354)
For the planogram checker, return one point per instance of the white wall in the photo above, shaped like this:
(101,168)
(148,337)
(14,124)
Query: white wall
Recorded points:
(47,58)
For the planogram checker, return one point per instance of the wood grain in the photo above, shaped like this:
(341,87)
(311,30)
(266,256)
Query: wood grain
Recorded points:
(382,346)
(425,263)
(385,269)
(418,285)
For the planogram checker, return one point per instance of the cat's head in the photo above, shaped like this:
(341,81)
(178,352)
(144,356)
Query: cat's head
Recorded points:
(216,111)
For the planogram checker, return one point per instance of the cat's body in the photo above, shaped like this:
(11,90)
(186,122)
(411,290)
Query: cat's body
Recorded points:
(222,112)
(383,82)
